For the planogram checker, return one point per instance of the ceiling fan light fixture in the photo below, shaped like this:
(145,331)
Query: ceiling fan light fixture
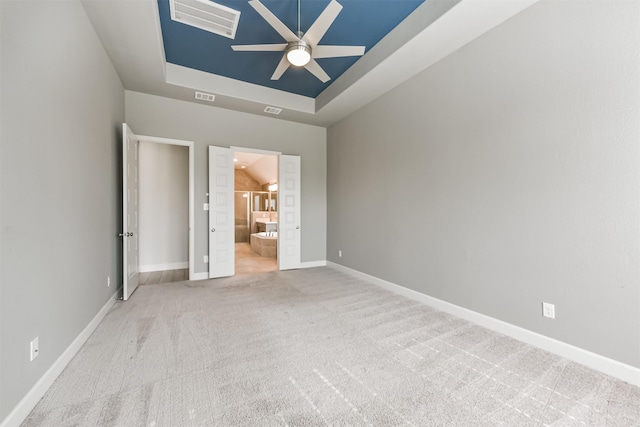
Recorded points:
(298,53)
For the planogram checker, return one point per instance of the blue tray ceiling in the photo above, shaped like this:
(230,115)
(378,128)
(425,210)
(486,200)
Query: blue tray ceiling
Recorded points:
(360,23)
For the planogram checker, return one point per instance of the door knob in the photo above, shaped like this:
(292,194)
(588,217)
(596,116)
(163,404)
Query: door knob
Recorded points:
(121,234)
(213,230)
(297,227)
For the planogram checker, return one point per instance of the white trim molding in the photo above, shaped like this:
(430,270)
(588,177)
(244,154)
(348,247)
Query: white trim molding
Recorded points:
(29,401)
(220,85)
(311,264)
(255,150)
(163,267)
(592,360)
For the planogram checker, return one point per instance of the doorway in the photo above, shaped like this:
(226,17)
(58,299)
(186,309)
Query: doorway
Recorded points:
(164,212)
(221,208)
(256,212)
(130,205)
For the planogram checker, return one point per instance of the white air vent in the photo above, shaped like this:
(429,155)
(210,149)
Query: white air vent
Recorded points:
(273,110)
(206,15)
(205,96)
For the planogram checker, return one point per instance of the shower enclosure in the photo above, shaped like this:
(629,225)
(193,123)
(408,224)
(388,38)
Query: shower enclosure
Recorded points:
(248,205)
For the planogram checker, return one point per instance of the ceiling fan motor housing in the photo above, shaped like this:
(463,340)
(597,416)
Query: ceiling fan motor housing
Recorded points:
(298,53)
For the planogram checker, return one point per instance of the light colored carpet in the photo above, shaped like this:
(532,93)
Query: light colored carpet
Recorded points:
(310,348)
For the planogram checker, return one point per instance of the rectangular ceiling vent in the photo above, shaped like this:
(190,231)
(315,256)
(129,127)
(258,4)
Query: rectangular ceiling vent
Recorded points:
(205,96)
(273,110)
(206,15)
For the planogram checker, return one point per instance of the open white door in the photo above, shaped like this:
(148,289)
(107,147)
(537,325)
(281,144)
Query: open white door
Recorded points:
(129,211)
(221,212)
(289,212)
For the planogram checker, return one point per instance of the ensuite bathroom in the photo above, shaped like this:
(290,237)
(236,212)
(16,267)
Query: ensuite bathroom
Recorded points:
(256,211)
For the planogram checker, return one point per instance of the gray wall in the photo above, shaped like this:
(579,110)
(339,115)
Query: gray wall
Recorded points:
(206,125)
(62,108)
(507,175)
(164,206)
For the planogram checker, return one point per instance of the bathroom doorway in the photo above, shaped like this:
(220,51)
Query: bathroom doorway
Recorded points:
(285,209)
(256,211)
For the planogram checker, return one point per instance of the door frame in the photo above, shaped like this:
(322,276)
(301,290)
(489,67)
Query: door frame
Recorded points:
(255,150)
(190,145)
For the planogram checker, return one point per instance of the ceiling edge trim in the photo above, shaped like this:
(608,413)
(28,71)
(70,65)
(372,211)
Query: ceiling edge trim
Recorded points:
(159,40)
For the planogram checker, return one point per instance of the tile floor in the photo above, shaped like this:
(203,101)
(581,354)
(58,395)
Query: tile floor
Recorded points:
(248,262)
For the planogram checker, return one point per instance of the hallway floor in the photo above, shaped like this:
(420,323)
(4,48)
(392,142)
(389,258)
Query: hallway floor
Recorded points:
(167,276)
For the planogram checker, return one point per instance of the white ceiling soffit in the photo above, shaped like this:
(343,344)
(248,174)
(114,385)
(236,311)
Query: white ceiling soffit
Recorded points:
(206,15)
(130,32)
(195,79)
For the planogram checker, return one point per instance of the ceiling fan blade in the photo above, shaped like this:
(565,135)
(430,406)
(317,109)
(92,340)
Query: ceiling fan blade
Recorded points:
(322,24)
(314,68)
(272,20)
(260,47)
(281,68)
(337,51)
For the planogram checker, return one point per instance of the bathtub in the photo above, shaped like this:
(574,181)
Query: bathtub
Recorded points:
(265,244)
(267,235)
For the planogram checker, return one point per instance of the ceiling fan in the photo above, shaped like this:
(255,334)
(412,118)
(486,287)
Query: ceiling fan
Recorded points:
(302,50)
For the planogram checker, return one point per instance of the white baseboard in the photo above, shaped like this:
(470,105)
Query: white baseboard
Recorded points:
(200,276)
(163,267)
(26,405)
(311,264)
(592,360)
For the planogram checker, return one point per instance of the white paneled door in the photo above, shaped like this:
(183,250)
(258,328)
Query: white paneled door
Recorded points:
(289,212)
(129,234)
(221,212)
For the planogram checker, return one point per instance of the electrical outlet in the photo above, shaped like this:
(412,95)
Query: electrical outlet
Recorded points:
(108,281)
(548,310)
(340,253)
(206,258)
(35,348)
